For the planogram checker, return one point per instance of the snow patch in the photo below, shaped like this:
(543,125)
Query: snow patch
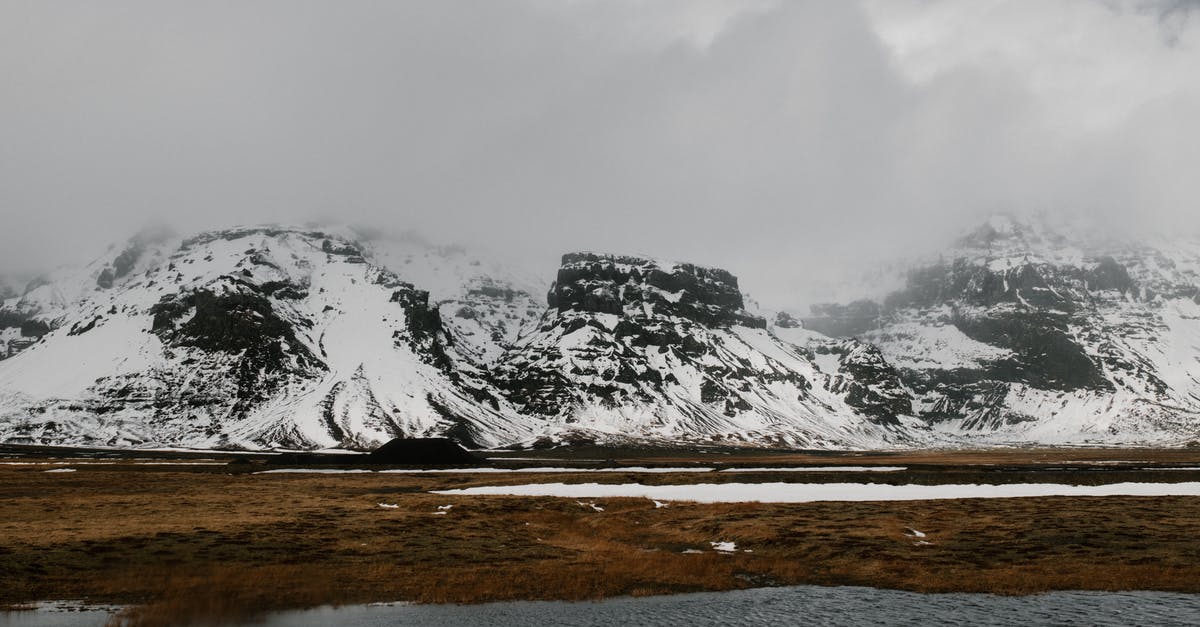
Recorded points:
(810,492)
(820,469)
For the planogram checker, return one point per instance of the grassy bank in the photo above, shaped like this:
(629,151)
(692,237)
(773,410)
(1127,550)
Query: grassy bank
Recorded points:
(184,543)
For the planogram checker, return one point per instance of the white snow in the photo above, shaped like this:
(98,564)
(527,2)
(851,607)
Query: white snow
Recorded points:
(114,463)
(402,471)
(724,547)
(60,470)
(315,471)
(936,346)
(390,505)
(810,492)
(819,469)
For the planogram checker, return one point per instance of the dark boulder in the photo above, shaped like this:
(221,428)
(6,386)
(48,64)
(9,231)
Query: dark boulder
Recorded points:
(423,452)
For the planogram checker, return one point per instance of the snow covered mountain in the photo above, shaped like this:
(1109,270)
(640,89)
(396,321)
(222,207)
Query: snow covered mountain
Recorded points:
(649,349)
(260,337)
(1026,331)
(331,337)
(299,338)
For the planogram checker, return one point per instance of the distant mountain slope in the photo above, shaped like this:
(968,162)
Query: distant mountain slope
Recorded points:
(1025,333)
(268,336)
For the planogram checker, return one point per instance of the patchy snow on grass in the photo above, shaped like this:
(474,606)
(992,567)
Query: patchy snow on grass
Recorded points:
(390,505)
(414,471)
(60,470)
(820,469)
(724,547)
(58,463)
(315,471)
(809,492)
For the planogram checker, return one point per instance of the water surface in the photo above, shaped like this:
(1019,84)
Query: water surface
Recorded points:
(813,605)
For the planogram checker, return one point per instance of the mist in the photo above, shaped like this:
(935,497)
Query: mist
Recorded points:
(793,143)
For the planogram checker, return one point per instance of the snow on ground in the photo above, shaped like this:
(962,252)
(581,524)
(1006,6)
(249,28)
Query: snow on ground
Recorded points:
(941,346)
(637,469)
(820,469)
(315,471)
(810,492)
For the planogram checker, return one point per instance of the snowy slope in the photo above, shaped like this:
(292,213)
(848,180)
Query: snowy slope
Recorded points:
(247,337)
(314,337)
(1030,331)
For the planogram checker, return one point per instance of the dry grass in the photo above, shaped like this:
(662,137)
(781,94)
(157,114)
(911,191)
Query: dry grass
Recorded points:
(206,546)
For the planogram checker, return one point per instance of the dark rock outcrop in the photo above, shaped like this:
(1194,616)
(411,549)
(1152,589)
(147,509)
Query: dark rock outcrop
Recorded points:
(611,284)
(263,348)
(423,330)
(423,452)
(34,328)
(868,382)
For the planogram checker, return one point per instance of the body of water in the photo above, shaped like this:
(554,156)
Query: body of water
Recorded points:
(796,605)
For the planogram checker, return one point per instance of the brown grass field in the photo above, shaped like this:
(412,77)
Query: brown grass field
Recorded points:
(215,542)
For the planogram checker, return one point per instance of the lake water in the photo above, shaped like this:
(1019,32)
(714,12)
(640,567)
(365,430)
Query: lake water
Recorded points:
(812,605)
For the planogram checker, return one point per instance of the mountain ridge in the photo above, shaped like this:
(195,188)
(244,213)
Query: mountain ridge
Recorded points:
(296,337)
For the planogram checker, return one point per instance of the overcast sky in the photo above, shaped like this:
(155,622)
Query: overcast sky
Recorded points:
(783,140)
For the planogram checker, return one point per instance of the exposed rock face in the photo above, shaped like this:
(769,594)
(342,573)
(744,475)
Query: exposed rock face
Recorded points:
(870,384)
(611,284)
(262,347)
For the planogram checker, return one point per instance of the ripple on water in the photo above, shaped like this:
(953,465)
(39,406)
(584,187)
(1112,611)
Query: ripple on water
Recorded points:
(812,605)
(798,605)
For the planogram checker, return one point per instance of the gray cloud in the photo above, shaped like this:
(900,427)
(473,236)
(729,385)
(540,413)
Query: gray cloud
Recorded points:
(786,141)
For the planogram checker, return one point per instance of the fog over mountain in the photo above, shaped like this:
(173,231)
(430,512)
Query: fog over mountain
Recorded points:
(793,143)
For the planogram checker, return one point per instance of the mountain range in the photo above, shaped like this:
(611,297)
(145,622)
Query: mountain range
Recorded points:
(311,338)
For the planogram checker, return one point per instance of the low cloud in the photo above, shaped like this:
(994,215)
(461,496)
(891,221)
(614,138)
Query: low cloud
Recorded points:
(791,142)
